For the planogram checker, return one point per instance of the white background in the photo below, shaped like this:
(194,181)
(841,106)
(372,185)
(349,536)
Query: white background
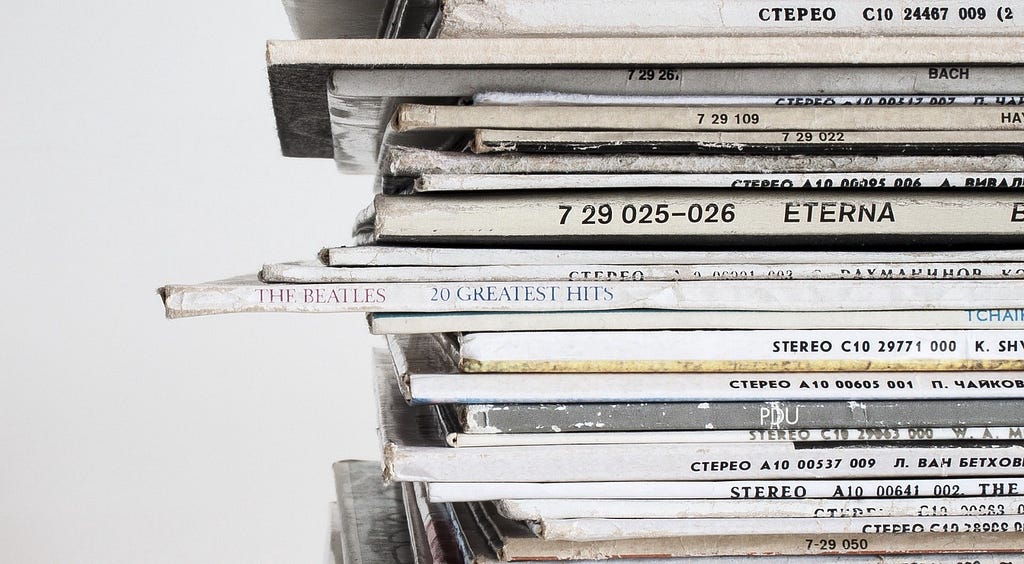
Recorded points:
(139,149)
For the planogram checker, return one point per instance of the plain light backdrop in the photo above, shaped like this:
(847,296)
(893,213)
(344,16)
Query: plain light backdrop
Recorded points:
(138,149)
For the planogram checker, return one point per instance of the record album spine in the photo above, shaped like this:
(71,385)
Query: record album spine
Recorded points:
(780,350)
(862,435)
(410,117)
(752,416)
(250,295)
(689,387)
(794,142)
(414,162)
(717,462)
(602,18)
(702,217)
(923,490)
(299,273)
(535,509)
(764,181)
(585,530)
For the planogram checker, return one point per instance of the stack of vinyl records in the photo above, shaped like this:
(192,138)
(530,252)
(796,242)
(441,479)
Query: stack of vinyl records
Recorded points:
(710,281)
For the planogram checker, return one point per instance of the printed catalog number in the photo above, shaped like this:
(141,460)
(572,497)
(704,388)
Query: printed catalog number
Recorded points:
(632,214)
(831,544)
(937,13)
(725,119)
(813,137)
